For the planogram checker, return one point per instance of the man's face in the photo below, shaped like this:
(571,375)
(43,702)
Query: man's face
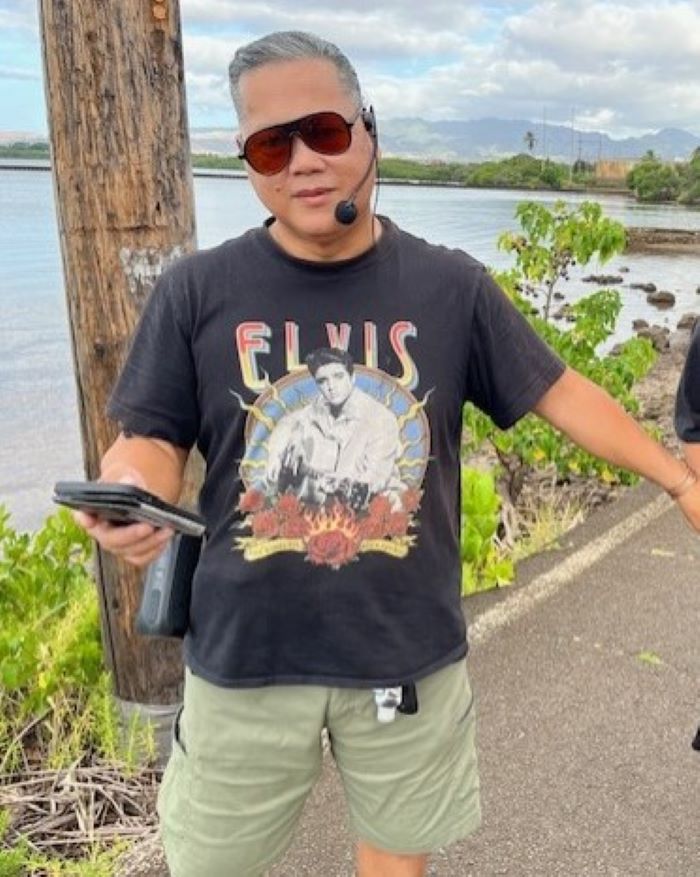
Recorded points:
(335,383)
(303,196)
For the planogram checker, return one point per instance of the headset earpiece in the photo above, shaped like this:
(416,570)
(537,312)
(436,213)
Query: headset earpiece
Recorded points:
(369,121)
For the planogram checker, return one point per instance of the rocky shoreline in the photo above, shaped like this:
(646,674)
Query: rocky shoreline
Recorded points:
(662,240)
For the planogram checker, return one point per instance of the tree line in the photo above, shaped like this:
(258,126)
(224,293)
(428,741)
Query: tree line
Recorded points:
(652,180)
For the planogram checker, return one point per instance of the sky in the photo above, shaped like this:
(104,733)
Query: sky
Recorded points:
(625,68)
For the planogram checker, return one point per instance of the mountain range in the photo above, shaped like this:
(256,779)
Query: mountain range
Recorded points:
(477,140)
(484,139)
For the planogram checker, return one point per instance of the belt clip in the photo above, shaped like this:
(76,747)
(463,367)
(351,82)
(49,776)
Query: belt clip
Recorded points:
(399,697)
(388,701)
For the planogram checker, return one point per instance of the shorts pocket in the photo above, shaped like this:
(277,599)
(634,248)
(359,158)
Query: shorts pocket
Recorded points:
(177,734)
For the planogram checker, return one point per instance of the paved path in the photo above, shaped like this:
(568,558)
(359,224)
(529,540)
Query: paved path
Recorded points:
(587,675)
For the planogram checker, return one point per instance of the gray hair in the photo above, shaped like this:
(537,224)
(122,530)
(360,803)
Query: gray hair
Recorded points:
(290,45)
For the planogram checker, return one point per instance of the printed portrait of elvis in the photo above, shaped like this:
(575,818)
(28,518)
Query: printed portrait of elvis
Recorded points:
(343,445)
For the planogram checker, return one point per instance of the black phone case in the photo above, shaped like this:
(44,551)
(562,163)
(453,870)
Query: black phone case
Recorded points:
(125,503)
(165,603)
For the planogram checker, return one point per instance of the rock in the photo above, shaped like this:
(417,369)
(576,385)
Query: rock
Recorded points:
(658,335)
(662,299)
(687,321)
(603,279)
(645,287)
(639,324)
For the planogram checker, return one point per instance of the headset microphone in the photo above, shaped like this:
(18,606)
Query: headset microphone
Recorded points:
(346,211)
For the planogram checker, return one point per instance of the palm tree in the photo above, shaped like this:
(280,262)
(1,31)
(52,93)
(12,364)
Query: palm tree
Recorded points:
(530,141)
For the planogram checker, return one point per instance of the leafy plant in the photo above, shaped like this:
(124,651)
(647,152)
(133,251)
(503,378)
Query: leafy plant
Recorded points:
(55,696)
(553,240)
(483,565)
(50,634)
(550,242)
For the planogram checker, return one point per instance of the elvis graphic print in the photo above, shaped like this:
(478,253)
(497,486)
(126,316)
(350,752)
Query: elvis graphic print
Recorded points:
(335,458)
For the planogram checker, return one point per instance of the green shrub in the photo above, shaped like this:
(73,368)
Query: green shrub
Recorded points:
(483,565)
(55,695)
(654,180)
(551,242)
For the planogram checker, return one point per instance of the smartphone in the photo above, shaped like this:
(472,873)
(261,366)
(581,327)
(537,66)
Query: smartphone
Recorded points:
(126,504)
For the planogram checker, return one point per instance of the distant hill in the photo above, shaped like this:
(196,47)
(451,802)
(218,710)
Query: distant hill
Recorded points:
(477,140)
(484,139)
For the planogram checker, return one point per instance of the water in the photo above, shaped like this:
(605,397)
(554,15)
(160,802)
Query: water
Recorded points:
(41,442)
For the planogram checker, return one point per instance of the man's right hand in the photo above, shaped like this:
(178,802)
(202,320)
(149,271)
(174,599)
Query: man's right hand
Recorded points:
(138,544)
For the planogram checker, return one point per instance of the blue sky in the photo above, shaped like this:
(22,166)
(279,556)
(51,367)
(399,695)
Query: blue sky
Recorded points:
(619,67)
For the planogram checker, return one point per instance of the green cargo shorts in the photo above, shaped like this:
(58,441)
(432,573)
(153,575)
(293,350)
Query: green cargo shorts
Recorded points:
(245,760)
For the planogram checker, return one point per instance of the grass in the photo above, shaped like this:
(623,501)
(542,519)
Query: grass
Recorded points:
(548,523)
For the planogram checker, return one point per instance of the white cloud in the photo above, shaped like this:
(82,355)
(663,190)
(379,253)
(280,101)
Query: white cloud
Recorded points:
(622,65)
(18,15)
(18,73)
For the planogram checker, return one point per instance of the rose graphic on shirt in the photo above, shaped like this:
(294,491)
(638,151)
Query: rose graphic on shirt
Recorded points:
(335,458)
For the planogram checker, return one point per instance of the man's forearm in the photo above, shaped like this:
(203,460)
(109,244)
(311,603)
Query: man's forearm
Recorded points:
(157,464)
(597,423)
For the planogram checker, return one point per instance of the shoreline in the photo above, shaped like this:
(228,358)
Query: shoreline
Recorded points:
(662,240)
(44,164)
(639,245)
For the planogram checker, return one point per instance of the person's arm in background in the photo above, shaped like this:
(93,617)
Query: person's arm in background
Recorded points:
(596,422)
(687,416)
(152,464)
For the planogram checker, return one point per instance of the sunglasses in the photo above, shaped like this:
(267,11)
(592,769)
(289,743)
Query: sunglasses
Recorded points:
(269,151)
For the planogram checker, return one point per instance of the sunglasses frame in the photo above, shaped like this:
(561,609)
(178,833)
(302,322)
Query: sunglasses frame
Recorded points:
(289,129)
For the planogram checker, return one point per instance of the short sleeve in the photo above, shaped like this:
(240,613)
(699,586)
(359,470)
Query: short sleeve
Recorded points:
(687,415)
(509,367)
(156,393)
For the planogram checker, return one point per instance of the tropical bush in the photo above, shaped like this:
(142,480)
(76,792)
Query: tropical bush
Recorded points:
(485,564)
(56,700)
(654,180)
(549,244)
(57,709)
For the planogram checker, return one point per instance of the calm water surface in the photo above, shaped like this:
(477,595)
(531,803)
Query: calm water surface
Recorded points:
(37,395)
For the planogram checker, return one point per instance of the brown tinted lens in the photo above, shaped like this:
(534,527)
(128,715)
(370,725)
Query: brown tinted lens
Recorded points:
(268,151)
(327,133)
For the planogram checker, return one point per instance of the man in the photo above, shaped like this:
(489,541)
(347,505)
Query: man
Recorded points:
(279,648)
(344,444)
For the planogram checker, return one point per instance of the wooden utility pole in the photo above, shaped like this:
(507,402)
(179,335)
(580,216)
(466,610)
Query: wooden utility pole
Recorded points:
(121,166)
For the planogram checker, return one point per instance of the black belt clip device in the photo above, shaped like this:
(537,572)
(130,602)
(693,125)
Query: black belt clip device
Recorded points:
(165,603)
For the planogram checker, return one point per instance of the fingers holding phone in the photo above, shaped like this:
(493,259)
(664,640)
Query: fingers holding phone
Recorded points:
(124,518)
(138,543)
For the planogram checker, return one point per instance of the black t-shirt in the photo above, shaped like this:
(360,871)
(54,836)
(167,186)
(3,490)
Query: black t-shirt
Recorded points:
(688,397)
(331,499)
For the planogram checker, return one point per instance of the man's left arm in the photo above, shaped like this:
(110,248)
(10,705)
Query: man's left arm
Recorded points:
(597,423)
